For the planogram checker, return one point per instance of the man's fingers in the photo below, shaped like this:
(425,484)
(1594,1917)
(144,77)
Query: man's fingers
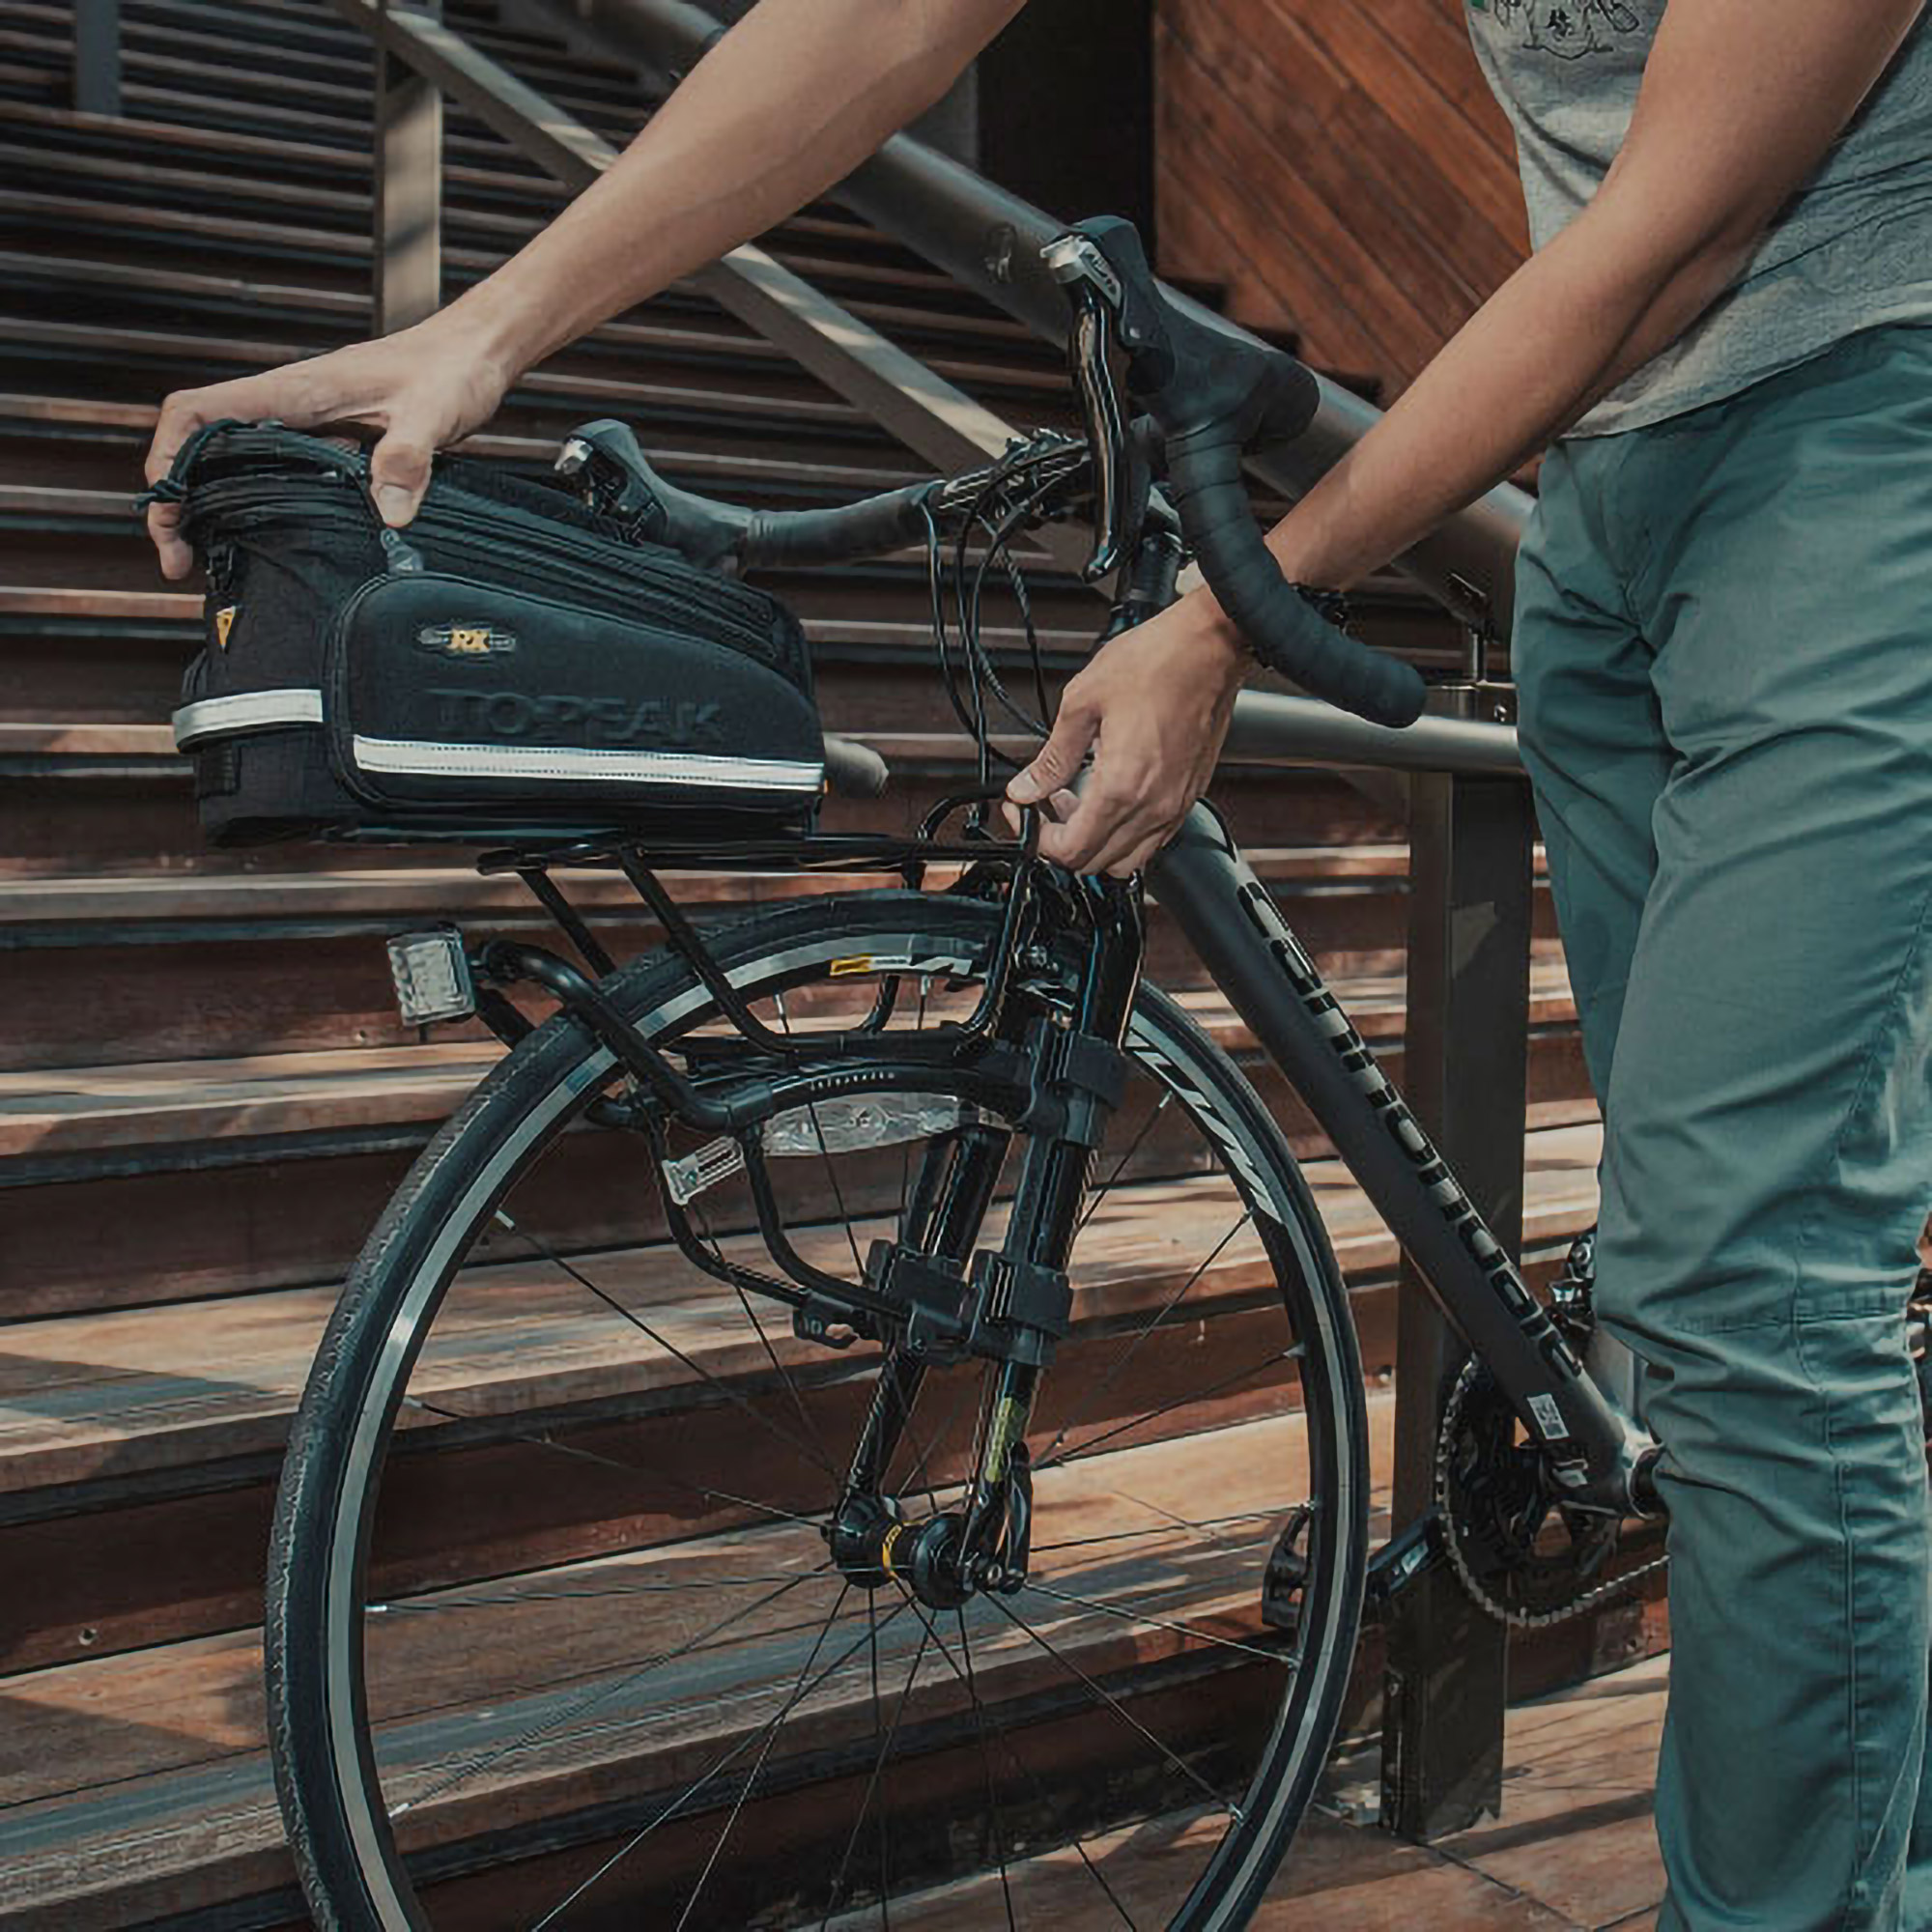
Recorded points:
(177,559)
(1057,760)
(182,415)
(1092,829)
(1056,810)
(399,472)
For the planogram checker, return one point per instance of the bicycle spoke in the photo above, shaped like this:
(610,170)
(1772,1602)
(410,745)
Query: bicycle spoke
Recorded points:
(644,1328)
(825,1158)
(1191,1630)
(987,1765)
(569,1595)
(758,1765)
(596,1696)
(1180,1522)
(1082,1449)
(878,1766)
(784,1373)
(1025,1769)
(1119,1167)
(616,1462)
(917,1476)
(1113,1703)
(697,1784)
(1119,1365)
(1201,1529)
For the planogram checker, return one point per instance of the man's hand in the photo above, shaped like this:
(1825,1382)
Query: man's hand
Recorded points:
(423,387)
(1153,706)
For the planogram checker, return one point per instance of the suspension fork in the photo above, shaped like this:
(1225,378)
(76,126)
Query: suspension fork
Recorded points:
(1083,1078)
(1020,1293)
(950,1197)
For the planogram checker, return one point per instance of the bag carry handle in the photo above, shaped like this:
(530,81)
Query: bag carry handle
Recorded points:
(400,557)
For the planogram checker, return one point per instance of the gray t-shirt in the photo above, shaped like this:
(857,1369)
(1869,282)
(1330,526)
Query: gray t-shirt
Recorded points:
(1851,249)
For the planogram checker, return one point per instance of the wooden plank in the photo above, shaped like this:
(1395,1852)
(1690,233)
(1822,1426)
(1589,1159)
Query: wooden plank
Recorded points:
(477,1667)
(151,1389)
(193,1772)
(299,996)
(1344,169)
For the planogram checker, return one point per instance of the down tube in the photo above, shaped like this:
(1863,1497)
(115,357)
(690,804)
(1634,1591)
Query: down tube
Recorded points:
(1224,910)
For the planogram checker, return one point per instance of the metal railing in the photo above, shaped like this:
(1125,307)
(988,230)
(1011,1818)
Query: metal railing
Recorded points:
(1460,775)
(988,241)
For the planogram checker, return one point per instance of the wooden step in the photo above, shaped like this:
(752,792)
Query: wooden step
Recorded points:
(175,1813)
(193,72)
(312,314)
(140,1445)
(309,44)
(50,1115)
(268,964)
(209,1177)
(94,448)
(194,1775)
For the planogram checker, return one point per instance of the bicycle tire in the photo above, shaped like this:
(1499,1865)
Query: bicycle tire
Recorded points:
(324,1758)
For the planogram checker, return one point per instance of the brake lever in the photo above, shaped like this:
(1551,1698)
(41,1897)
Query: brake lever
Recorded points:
(1095,293)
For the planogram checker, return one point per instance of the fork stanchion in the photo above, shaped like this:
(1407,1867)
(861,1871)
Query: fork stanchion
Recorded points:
(407,191)
(1465,1067)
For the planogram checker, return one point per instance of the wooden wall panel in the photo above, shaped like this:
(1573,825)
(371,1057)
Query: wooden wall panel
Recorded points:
(1340,167)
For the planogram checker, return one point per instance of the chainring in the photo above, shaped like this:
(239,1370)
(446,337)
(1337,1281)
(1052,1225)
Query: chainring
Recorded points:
(1524,1552)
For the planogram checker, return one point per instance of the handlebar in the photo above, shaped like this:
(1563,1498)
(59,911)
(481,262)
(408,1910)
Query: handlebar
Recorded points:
(1208,394)
(1213,395)
(619,479)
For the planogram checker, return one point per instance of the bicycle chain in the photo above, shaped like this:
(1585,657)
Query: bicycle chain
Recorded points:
(1919,1315)
(1481,1596)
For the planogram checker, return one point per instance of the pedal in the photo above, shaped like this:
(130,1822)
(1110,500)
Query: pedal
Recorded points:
(1287,1573)
(431,971)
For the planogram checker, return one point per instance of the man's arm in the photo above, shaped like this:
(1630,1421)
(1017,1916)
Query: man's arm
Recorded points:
(1740,99)
(791,101)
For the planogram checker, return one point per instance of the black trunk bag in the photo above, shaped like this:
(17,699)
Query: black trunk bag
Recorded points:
(510,665)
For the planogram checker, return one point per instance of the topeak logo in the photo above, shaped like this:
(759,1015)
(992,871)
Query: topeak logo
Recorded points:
(559,718)
(466,641)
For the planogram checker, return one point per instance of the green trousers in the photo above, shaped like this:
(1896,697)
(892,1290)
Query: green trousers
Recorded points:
(1723,649)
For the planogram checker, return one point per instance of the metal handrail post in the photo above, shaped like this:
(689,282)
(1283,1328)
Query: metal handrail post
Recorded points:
(96,56)
(1466,1075)
(407,199)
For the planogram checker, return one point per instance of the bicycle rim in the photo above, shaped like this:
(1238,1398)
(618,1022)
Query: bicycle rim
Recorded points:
(660,1696)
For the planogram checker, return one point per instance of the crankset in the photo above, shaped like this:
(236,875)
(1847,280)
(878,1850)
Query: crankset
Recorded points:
(1525,1552)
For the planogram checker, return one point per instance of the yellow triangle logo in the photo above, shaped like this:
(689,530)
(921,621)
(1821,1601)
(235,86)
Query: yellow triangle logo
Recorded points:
(224,622)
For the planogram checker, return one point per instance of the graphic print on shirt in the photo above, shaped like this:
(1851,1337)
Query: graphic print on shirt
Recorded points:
(1568,28)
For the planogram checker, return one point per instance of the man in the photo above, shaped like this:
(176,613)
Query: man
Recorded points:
(1726,713)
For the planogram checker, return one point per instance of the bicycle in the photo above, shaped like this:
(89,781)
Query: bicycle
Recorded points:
(945,1555)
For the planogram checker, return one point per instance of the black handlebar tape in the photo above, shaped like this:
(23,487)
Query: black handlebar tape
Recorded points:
(776,539)
(853,770)
(1204,478)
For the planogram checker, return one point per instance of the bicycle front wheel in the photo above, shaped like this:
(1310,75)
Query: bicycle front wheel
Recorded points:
(554,1636)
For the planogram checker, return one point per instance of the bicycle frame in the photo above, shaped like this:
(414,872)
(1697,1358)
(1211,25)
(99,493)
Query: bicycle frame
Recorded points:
(1224,911)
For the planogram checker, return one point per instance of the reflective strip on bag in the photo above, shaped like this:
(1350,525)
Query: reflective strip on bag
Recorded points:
(421,758)
(246,711)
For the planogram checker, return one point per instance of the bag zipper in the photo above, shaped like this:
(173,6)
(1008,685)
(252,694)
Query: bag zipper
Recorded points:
(239,502)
